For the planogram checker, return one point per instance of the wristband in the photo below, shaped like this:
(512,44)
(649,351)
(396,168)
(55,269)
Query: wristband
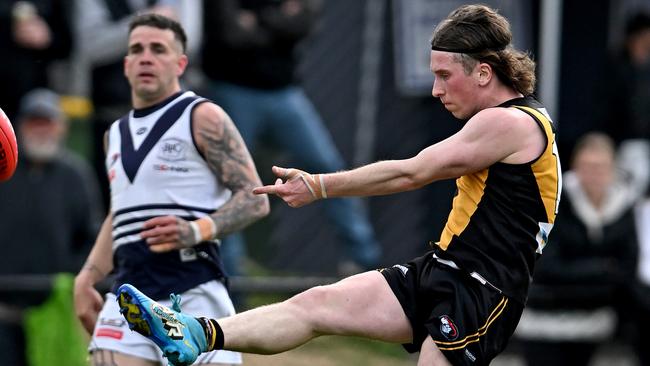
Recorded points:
(315,182)
(321,180)
(204,229)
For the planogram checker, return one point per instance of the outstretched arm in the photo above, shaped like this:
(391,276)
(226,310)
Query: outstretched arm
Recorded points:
(492,135)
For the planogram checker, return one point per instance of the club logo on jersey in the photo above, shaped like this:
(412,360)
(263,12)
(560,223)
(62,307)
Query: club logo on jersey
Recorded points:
(172,149)
(448,328)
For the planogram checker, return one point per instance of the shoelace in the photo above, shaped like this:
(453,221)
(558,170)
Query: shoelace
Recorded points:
(176,302)
(176,306)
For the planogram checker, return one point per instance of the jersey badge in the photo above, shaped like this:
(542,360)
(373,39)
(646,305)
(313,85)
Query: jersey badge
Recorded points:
(172,149)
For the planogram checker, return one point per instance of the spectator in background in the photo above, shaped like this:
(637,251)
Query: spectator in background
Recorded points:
(627,106)
(630,101)
(589,259)
(101,28)
(32,35)
(629,114)
(49,211)
(249,56)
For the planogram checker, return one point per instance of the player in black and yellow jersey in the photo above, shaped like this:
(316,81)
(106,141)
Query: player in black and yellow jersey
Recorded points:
(460,303)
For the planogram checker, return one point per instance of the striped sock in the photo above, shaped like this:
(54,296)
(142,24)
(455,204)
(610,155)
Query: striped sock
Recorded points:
(213,333)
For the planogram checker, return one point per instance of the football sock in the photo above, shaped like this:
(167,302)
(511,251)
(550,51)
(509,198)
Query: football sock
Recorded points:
(213,333)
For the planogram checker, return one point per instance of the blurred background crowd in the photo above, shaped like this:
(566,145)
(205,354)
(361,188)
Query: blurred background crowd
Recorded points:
(327,85)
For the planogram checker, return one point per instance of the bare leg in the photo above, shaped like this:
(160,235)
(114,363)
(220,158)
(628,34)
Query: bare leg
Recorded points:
(430,355)
(361,305)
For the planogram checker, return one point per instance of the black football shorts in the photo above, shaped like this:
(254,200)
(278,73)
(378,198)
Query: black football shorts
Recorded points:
(469,322)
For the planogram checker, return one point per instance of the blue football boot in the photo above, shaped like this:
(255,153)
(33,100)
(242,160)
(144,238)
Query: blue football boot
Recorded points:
(180,337)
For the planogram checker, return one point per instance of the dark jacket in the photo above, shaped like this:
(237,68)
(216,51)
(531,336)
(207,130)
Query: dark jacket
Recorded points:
(261,57)
(587,263)
(25,69)
(49,218)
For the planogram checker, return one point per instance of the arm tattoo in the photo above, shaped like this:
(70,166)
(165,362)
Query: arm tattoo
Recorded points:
(231,162)
(185,233)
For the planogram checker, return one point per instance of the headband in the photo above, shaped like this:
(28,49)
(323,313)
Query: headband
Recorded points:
(467,50)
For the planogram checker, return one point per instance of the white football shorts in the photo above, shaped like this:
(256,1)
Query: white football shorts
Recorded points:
(112,332)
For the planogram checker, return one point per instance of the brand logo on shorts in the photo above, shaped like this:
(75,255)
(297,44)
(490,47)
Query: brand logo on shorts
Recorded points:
(448,328)
(470,355)
(402,268)
(109,333)
(112,322)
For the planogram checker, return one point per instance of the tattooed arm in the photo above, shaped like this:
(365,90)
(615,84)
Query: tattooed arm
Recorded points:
(226,154)
(229,159)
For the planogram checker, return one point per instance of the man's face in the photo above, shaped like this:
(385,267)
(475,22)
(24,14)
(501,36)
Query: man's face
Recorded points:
(640,48)
(456,89)
(154,63)
(41,138)
(595,169)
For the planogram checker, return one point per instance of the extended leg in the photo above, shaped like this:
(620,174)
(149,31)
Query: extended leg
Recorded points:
(361,305)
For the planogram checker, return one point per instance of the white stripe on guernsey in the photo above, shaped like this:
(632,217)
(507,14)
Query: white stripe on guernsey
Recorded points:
(126,240)
(128,227)
(155,212)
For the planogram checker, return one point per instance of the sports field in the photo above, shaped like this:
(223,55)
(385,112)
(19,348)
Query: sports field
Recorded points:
(337,351)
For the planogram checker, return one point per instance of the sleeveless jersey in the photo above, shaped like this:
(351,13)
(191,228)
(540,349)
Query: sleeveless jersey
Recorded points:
(502,215)
(155,169)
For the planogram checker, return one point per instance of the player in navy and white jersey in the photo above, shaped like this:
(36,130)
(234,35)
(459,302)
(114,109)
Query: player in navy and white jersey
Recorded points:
(180,178)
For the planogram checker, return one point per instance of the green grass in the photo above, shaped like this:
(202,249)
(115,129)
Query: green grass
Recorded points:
(335,351)
(360,346)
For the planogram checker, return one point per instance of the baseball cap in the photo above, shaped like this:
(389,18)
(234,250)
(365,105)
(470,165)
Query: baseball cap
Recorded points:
(40,102)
